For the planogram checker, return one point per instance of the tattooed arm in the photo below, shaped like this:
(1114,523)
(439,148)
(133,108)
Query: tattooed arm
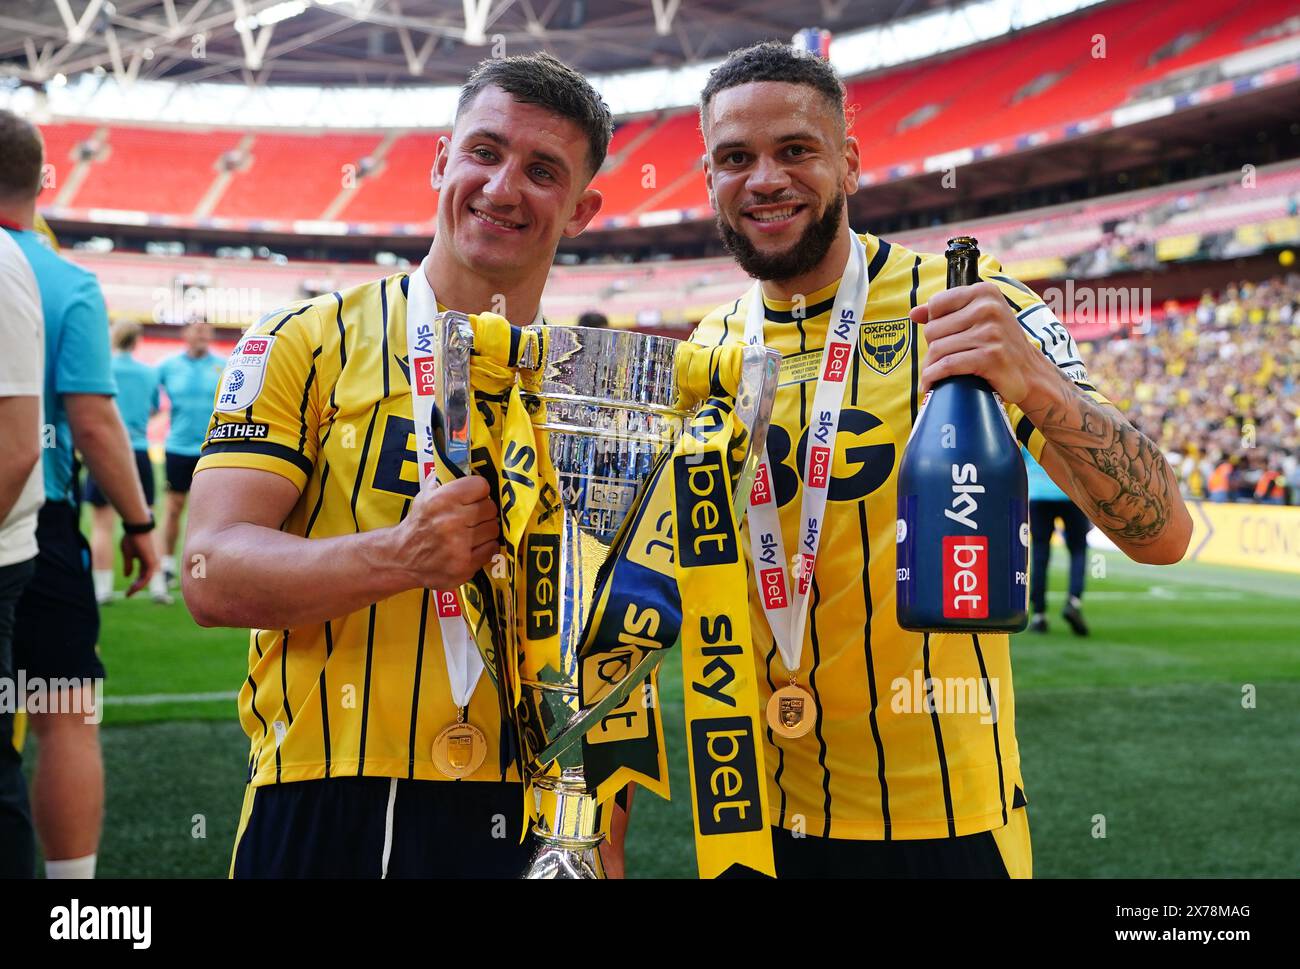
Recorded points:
(1112,471)
(1115,474)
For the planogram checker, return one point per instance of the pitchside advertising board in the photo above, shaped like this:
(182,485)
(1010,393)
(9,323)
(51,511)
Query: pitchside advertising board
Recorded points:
(1255,536)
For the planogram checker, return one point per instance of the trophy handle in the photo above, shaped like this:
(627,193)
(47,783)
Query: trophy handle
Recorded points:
(760,371)
(453,336)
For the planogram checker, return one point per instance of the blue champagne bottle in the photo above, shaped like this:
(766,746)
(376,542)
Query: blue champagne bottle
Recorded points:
(963,526)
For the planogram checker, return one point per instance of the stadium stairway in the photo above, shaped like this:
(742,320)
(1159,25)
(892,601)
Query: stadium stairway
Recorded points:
(222,181)
(340,201)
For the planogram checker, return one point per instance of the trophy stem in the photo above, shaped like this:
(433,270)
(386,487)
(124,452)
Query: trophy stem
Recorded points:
(566,829)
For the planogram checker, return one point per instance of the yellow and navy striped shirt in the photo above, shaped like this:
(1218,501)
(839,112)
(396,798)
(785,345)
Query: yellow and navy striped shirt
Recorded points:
(363,694)
(880,763)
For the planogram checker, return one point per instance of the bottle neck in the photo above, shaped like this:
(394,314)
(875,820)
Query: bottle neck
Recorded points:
(963,269)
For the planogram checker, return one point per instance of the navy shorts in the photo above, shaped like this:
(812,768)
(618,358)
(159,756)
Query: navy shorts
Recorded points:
(180,470)
(145,469)
(337,828)
(56,624)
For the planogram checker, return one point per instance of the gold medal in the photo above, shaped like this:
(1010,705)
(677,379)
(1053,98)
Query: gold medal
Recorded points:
(791,712)
(460,749)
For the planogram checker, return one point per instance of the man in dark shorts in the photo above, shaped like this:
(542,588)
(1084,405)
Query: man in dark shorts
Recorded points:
(190,380)
(57,622)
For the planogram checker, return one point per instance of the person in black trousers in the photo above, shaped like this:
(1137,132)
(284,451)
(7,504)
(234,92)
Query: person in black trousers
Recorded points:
(1047,503)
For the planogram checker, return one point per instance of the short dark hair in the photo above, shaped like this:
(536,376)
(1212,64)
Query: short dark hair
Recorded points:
(548,82)
(774,61)
(21,154)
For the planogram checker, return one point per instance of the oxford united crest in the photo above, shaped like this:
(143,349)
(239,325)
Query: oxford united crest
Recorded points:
(884,343)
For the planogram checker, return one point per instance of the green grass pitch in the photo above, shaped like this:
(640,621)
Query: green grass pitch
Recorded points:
(1143,723)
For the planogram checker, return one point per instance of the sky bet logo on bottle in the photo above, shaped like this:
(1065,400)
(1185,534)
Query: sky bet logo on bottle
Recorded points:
(245,372)
(965,577)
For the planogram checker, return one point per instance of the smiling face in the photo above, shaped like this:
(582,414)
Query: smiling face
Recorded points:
(512,181)
(779,167)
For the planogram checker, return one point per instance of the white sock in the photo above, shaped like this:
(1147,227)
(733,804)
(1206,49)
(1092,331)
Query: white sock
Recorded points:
(71,868)
(103,583)
(157,583)
(169,564)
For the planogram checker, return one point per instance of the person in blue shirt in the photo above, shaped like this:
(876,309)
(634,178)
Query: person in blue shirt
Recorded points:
(56,622)
(137,401)
(1047,503)
(190,381)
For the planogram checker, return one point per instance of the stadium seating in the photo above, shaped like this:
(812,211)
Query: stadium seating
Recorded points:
(154,170)
(677,293)
(397,191)
(293,176)
(902,116)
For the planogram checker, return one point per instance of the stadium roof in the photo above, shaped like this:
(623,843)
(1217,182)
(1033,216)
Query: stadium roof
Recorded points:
(387,42)
(334,63)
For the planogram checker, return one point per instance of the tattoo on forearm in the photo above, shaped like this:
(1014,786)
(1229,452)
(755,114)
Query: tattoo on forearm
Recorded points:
(1127,484)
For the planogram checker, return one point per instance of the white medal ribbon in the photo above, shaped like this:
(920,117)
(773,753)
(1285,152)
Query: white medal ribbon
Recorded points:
(464,663)
(785,602)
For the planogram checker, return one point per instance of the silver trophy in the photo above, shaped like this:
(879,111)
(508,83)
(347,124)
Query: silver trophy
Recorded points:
(608,405)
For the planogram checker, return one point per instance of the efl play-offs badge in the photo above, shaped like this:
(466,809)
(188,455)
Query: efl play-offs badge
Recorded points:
(245,372)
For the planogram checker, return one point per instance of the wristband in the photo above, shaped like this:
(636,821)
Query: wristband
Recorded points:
(141,529)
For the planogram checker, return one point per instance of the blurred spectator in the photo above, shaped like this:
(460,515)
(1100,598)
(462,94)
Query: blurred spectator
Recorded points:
(1216,386)
(594,319)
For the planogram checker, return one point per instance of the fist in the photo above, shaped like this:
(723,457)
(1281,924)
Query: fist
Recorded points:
(449,534)
(972,330)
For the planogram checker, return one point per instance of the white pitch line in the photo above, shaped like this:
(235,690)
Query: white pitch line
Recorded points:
(155,699)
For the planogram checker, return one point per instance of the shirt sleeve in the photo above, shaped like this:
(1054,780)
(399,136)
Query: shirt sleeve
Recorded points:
(21,327)
(1049,335)
(266,413)
(84,364)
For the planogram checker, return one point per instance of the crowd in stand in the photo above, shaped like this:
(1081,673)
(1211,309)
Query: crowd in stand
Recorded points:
(1216,386)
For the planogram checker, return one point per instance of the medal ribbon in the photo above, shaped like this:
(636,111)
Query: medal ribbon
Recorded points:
(785,602)
(464,665)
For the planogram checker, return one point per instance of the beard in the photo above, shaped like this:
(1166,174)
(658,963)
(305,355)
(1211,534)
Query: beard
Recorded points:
(802,257)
